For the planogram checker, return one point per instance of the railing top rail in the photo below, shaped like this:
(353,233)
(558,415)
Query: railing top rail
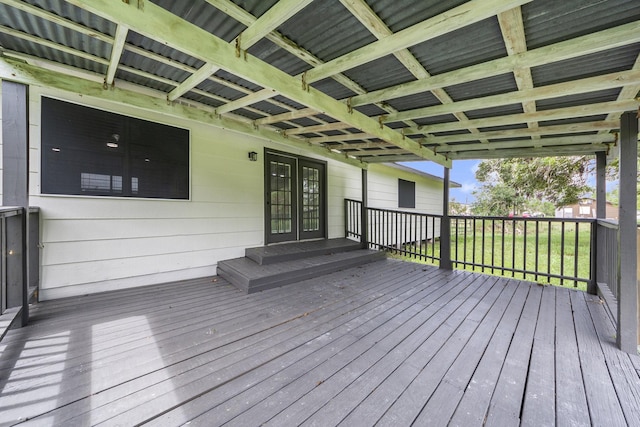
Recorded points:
(608,223)
(523,218)
(7,211)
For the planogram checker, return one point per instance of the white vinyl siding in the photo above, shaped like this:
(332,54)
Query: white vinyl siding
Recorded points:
(96,244)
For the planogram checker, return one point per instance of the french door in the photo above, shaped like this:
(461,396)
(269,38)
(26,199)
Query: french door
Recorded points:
(295,207)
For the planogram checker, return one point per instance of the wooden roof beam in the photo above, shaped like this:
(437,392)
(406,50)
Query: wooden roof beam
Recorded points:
(451,20)
(361,10)
(591,43)
(531,144)
(590,84)
(512,28)
(152,21)
(571,150)
(529,132)
(116,53)
(271,19)
(611,107)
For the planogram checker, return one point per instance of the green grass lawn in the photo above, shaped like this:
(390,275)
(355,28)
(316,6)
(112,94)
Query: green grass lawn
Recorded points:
(501,250)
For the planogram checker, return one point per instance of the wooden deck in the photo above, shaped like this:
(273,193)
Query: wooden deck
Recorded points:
(390,343)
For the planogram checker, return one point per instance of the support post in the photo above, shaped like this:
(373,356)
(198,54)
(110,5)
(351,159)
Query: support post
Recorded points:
(15,185)
(445,226)
(627,333)
(364,223)
(597,237)
(601,185)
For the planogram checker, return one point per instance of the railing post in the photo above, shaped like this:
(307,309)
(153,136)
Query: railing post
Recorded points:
(627,333)
(364,223)
(445,226)
(15,178)
(596,257)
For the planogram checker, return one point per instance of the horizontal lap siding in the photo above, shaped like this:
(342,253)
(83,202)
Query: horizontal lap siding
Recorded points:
(94,244)
(383,190)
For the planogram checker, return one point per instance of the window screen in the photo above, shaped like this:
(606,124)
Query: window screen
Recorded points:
(406,194)
(86,151)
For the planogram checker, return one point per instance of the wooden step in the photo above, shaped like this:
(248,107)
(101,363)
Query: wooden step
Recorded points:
(297,250)
(251,277)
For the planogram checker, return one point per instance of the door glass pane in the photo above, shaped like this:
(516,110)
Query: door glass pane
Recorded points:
(310,199)
(281,209)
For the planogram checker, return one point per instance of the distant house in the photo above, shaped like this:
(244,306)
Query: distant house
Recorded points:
(586,208)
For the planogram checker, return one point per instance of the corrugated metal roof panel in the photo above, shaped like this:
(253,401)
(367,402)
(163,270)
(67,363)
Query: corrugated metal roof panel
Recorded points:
(573,120)
(162,49)
(384,72)
(205,16)
(333,89)
(502,110)
(327,30)
(411,102)
(278,57)
(552,21)
(610,61)
(579,99)
(151,66)
(467,46)
(444,118)
(502,83)
(410,13)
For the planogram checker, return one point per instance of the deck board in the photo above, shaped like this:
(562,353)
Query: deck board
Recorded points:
(392,343)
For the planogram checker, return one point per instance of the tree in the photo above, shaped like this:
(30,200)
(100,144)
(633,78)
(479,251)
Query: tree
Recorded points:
(497,200)
(559,180)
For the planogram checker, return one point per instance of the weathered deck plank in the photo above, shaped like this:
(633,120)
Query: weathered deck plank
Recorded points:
(539,407)
(571,399)
(604,406)
(388,343)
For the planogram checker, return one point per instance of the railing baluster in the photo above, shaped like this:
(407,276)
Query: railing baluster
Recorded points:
(524,249)
(537,251)
(513,249)
(411,233)
(504,230)
(562,252)
(493,244)
(575,255)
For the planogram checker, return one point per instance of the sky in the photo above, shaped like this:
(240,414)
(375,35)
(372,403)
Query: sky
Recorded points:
(463,172)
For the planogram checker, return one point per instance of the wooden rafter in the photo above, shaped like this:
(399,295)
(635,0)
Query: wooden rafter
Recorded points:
(275,16)
(613,107)
(451,20)
(590,84)
(378,28)
(591,43)
(152,21)
(513,34)
(116,53)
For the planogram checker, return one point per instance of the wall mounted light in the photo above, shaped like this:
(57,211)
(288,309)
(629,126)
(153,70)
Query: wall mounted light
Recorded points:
(253,156)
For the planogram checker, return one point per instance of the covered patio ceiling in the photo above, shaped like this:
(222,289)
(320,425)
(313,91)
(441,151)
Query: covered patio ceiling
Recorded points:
(358,80)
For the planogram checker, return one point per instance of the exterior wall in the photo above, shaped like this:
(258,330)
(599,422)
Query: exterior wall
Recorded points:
(383,190)
(586,209)
(96,244)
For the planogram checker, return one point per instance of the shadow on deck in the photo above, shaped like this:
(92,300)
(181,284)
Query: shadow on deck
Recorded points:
(391,342)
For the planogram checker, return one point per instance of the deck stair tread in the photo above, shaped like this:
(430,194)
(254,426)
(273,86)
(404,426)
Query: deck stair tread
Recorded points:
(291,251)
(311,259)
